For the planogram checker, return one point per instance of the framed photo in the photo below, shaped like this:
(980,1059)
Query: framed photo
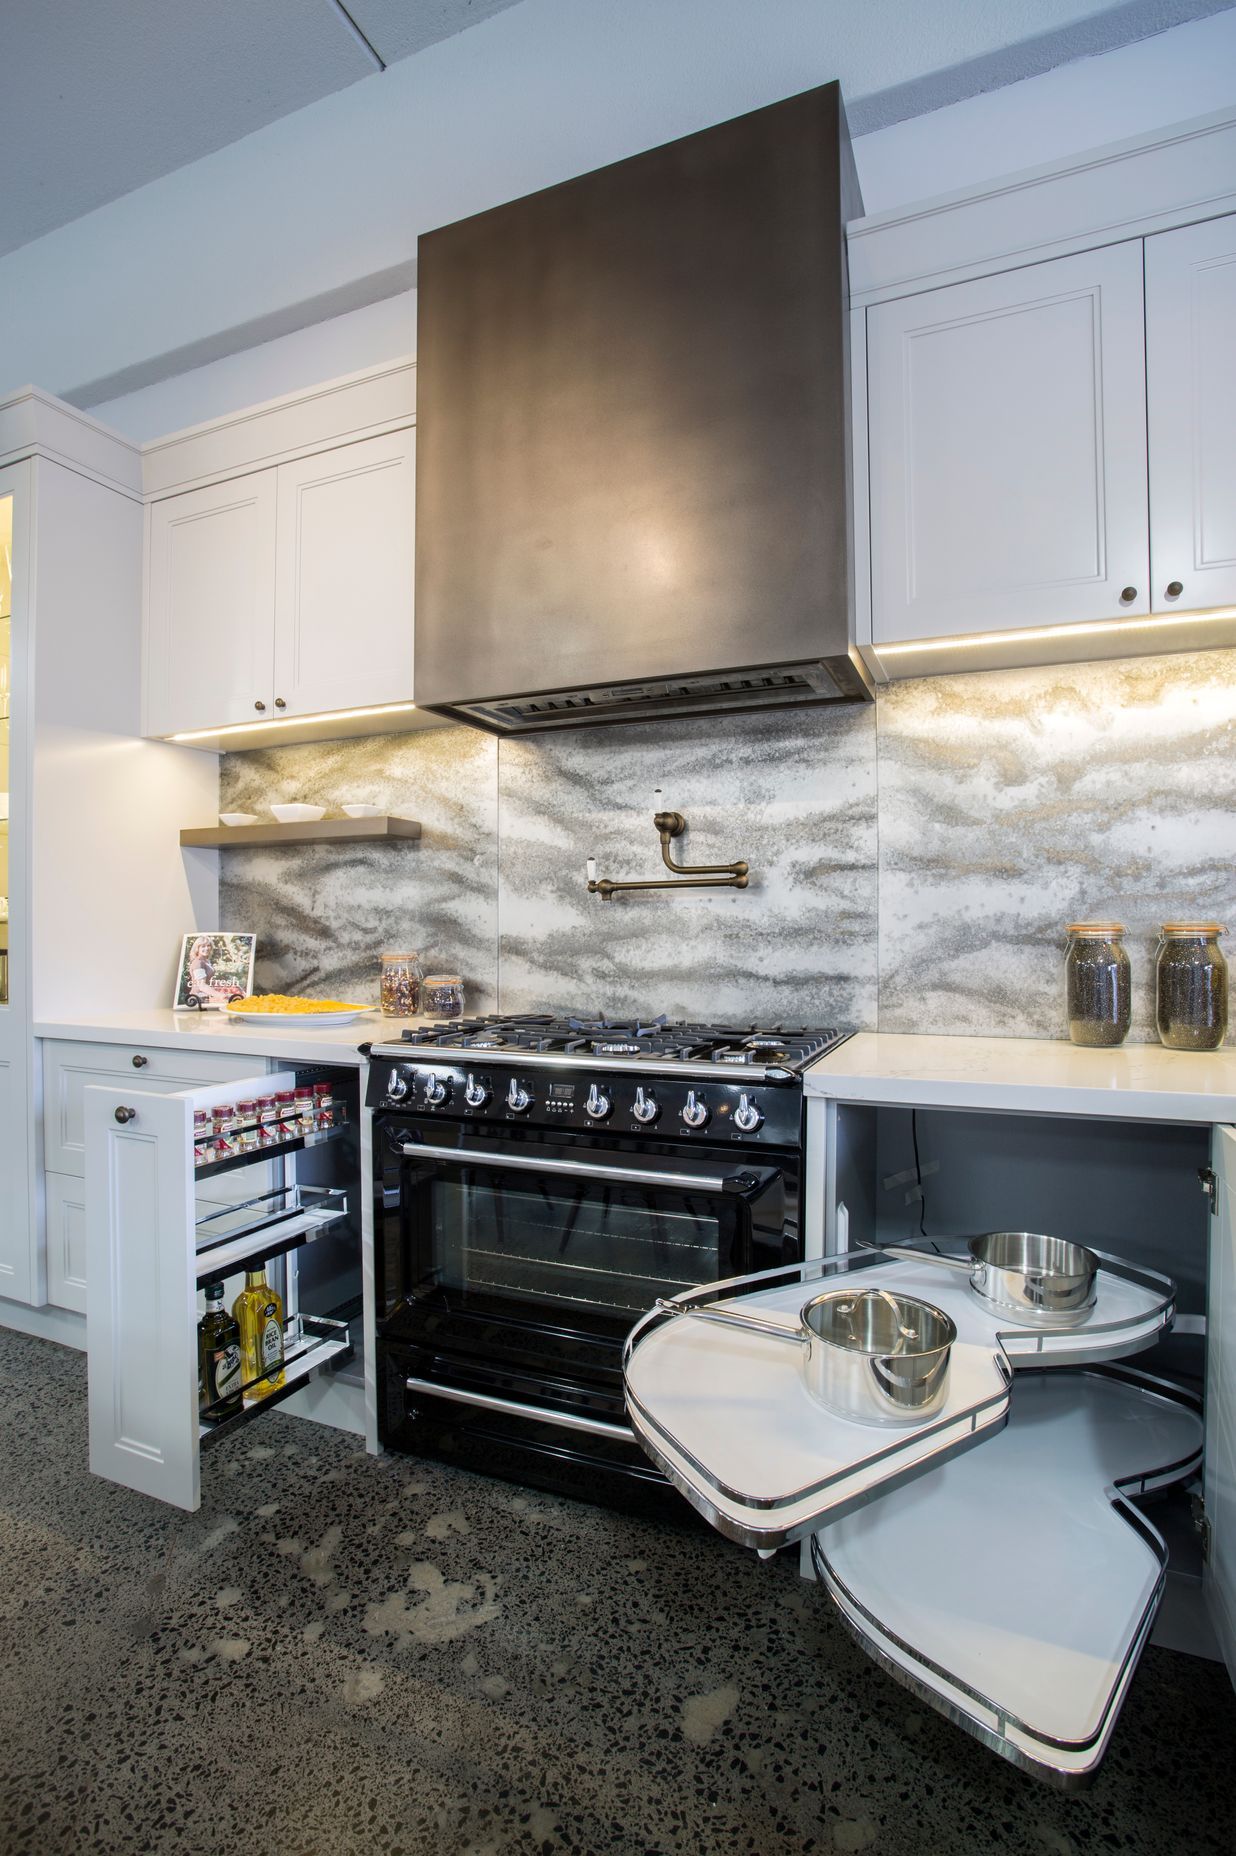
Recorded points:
(214,968)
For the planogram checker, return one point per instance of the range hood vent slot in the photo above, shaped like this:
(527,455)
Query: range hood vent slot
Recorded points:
(722,693)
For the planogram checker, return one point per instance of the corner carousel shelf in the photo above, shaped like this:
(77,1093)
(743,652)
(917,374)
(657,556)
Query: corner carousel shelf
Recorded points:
(389,828)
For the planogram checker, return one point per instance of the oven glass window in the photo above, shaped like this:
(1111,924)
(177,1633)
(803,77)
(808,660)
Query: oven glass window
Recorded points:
(606,1247)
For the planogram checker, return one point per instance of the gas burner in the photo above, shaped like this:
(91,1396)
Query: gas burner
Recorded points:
(765,1052)
(485,1040)
(618,1047)
(762,1042)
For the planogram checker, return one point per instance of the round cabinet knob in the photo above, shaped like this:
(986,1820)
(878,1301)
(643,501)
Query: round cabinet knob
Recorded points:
(694,1110)
(140,1062)
(1127,595)
(435,1090)
(260,707)
(397,1088)
(645,1107)
(1174,589)
(517,1097)
(279,703)
(475,1094)
(126,1114)
(748,1115)
(598,1105)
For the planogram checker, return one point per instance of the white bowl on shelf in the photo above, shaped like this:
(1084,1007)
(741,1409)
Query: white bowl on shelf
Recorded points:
(238,818)
(355,810)
(297,814)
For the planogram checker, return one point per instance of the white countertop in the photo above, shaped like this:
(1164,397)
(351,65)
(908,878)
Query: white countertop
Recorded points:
(300,1043)
(1042,1076)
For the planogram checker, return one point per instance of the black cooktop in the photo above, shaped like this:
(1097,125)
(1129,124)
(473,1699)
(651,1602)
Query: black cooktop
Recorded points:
(792,1046)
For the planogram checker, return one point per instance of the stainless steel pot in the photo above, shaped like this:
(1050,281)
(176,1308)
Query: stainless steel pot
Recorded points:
(867,1354)
(1040,1279)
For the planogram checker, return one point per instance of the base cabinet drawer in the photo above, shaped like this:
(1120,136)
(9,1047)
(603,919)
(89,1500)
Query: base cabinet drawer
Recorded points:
(70,1068)
(66,1241)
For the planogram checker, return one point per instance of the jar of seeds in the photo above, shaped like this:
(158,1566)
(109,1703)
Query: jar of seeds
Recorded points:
(401,985)
(1191,986)
(444,995)
(1097,983)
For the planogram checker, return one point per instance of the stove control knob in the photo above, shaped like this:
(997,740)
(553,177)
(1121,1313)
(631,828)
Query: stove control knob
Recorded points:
(645,1107)
(517,1097)
(748,1116)
(598,1104)
(694,1110)
(435,1090)
(397,1087)
(476,1095)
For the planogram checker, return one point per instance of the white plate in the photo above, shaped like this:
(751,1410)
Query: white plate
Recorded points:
(304,1018)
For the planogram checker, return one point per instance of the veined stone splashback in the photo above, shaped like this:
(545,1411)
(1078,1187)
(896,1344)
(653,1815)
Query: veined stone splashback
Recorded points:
(912,864)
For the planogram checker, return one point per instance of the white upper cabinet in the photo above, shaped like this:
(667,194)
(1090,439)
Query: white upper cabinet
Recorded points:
(1007,444)
(209,599)
(344,580)
(1191,374)
(280,560)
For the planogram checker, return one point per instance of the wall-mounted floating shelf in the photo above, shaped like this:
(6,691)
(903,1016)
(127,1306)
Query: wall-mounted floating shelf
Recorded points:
(384,830)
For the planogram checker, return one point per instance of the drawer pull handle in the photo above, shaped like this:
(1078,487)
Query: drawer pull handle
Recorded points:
(1128,596)
(1174,589)
(260,707)
(125,1114)
(140,1062)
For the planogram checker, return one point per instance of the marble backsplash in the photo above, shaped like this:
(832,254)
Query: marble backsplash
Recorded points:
(912,864)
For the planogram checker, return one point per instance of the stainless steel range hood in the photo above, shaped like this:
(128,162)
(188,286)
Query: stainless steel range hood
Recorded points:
(633,437)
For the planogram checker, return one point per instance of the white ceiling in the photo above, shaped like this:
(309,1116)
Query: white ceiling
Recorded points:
(97,97)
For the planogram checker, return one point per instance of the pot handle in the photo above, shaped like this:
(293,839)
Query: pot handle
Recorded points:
(927,1385)
(725,1319)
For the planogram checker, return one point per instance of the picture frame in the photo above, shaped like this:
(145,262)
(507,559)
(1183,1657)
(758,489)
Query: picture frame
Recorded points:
(214,968)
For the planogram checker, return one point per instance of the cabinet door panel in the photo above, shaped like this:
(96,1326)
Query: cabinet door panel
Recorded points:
(1008,450)
(210,606)
(70,1068)
(343,631)
(1191,376)
(1219,1573)
(66,1242)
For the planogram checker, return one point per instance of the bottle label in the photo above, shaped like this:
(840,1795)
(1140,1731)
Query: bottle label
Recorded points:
(272,1338)
(227,1372)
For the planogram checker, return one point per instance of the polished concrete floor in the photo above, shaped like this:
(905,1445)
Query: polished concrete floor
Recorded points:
(340,1653)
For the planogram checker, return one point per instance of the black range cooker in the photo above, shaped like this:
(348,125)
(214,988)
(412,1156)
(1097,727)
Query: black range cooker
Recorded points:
(539,1182)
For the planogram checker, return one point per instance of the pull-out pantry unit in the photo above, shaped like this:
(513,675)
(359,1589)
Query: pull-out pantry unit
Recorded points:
(1005,1553)
(163,1222)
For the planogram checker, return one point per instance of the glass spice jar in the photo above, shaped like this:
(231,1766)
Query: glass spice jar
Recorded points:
(400,994)
(443,995)
(1097,983)
(304,1122)
(1191,986)
(323,1105)
(246,1126)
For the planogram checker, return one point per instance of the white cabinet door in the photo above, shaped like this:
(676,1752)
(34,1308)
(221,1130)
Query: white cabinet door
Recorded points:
(69,1068)
(344,587)
(66,1242)
(1191,394)
(1219,1572)
(210,605)
(1008,450)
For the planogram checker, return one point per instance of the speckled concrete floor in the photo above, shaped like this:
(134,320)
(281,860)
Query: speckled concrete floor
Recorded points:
(340,1653)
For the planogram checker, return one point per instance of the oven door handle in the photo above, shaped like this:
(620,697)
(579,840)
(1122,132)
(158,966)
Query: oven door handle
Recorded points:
(515,1408)
(744,1182)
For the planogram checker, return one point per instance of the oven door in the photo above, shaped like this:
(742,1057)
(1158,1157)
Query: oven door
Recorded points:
(555,1233)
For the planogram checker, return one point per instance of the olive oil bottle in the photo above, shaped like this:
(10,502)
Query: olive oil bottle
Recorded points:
(219,1372)
(259,1317)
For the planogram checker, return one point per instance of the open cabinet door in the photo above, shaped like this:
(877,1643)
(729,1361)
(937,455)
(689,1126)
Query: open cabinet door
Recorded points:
(1219,1574)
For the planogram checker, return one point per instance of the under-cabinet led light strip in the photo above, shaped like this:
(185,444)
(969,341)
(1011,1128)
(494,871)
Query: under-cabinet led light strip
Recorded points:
(294,721)
(1099,628)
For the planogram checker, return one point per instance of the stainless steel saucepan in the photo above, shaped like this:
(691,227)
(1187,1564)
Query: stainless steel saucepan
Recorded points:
(867,1353)
(1024,1273)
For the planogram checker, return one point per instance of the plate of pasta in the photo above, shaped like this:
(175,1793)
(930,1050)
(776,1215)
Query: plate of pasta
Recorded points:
(278,1008)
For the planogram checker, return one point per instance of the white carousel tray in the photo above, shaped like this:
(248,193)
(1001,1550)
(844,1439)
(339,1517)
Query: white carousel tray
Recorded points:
(728,1419)
(1014,1589)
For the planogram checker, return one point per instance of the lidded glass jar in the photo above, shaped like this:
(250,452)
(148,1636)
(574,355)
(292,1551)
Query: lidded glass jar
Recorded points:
(1097,983)
(401,985)
(444,995)
(1191,986)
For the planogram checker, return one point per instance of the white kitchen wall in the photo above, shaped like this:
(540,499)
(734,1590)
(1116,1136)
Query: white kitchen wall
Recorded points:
(318,214)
